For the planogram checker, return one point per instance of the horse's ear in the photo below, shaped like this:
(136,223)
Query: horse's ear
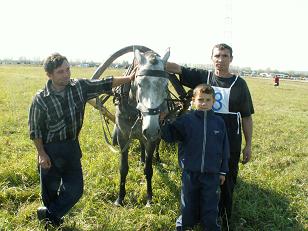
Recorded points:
(166,56)
(140,57)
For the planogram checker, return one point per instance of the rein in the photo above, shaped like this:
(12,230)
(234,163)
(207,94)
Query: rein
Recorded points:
(106,130)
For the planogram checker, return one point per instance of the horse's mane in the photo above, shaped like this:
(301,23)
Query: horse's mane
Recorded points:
(152,57)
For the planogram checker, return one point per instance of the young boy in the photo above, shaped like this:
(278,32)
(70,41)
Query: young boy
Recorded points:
(203,156)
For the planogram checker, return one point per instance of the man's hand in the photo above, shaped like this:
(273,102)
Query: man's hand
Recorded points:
(132,75)
(44,160)
(222,179)
(246,154)
(42,157)
(119,80)
(173,68)
(162,116)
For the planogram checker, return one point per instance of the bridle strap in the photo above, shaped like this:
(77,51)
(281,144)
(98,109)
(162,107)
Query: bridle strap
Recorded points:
(149,111)
(154,73)
(153,111)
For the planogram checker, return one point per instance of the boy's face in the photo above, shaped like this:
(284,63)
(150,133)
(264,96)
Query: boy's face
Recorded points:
(203,102)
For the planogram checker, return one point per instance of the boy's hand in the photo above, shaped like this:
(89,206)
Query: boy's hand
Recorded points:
(222,179)
(162,116)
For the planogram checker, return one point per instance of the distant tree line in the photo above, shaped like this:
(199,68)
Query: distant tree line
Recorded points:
(24,61)
(244,71)
(248,71)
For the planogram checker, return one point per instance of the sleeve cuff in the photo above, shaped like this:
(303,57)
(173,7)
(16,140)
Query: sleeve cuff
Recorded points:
(35,134)
(109,81)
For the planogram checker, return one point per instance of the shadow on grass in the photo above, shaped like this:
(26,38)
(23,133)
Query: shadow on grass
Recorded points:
(62,228)
(68,228)
(260,209)
(255,208)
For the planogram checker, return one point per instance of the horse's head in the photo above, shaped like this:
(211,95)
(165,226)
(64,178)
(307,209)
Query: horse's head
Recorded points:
(151,84)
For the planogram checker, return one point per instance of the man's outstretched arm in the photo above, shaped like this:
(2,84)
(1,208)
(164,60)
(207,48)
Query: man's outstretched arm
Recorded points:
(173,68)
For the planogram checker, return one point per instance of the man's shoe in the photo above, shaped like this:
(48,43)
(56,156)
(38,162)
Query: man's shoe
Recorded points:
(56,222)
(49,219)
(53,224)
(42,213)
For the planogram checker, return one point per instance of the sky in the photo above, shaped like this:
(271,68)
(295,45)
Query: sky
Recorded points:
(263,33)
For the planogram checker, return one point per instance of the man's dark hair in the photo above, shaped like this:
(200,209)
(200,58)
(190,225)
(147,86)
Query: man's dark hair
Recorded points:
(53,61)
(222,46)
(204,88)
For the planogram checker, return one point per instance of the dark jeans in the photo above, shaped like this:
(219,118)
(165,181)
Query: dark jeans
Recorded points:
(199,200)
(226,196)
(62,184)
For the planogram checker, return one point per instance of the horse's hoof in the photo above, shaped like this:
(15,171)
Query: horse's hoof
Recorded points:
(118,202)
(163,165)
(157,159)
(149,203)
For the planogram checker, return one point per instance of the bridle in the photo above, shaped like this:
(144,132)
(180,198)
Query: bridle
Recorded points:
(141,107)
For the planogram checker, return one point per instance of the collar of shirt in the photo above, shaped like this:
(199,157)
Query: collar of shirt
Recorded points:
(49,90)
(200,113)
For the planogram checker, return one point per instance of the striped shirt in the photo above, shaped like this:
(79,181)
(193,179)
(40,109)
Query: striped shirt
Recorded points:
(54,118)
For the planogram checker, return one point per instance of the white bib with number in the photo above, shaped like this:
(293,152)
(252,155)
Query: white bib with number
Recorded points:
(222,97)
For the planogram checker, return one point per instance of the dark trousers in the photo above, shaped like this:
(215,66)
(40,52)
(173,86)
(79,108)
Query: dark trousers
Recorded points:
(62,184)
(225,203)
(199,200)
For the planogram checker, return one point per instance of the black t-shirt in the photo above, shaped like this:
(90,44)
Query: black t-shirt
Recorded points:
(240,99)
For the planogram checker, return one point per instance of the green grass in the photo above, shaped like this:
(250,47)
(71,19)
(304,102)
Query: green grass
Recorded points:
(271,193)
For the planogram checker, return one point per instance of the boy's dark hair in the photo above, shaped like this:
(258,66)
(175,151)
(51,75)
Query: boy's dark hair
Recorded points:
(222,46)
(53,61)
(204,88)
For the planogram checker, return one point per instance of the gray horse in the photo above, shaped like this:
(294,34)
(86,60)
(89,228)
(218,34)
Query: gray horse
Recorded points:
(137,116)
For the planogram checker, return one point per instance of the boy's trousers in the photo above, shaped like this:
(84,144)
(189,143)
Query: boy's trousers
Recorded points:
(199,200)
(62,183)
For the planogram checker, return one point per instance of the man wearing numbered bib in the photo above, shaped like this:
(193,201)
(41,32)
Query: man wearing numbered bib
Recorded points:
(234,104)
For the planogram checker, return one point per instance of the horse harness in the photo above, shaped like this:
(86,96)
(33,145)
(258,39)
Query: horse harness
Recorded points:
(176,105)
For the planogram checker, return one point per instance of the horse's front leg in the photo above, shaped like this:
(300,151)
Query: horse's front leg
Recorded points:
(148,171)
(157,156)
(142,152)
(123,142)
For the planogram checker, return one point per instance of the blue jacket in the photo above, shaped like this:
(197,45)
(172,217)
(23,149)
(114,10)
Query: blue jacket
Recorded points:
(203,141)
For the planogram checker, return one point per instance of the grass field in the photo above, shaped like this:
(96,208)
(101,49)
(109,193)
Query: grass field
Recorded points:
(271,193)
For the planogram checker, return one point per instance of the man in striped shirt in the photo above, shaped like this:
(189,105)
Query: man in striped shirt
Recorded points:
(55,120)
